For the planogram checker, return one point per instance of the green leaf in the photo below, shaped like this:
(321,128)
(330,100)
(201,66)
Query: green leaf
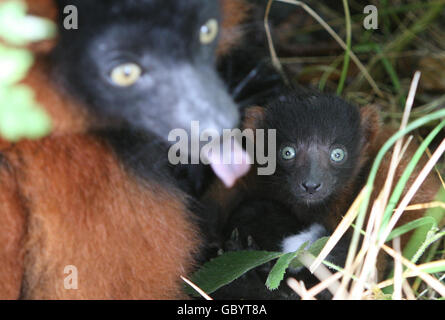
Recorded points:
(277,273)
(314,249)
(232,265)
(318,245)
(18,96)
(19,116)
(34,124)
(229,267)
(421,234)
(291,260)
(19,29)
(14,64)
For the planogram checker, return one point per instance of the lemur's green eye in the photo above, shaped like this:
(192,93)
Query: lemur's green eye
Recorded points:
(288,153)
(338,155)
(126,74)
(209,31)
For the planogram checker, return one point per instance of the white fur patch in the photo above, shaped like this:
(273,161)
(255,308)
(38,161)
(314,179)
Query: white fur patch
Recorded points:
(311,234)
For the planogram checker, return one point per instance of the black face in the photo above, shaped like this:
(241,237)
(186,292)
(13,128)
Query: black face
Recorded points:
(146,63)
(318,145)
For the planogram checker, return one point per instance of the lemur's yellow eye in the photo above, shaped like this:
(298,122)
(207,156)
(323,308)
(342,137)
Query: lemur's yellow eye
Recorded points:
(126,74)
(209,31)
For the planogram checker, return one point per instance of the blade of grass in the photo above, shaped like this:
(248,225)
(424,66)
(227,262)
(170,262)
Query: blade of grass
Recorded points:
(300,289)
(325,284)
(431,267)
(419,236)
(398,271)
(422,273)
(431,205)
(382,200)
(398,190)
(344,73)
(406,37)
(197,289)
(425,221)
(322,273)
(385,61)
(339,232)
(375,167)
(429,240)
(413,189)
(356,60)
(329,71)
(275,61)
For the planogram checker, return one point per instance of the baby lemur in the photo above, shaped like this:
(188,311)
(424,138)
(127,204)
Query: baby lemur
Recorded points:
(325,147)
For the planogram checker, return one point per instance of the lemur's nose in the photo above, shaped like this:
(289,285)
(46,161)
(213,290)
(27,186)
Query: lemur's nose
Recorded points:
(311,187)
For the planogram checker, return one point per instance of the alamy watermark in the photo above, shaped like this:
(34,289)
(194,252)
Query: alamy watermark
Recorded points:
(371,21)
(71,281)
(210,147)
(71,19)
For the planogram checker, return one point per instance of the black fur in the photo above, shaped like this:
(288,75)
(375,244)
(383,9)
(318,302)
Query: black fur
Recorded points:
(311,123)
(263,225)
(147,157)
(179,82)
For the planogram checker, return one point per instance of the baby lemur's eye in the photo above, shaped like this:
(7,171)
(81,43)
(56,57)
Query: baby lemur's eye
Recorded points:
(338,155)
(126,74)
(288,153)
(209,31)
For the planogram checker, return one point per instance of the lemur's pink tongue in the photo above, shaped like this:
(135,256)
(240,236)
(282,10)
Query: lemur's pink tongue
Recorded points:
(236,165)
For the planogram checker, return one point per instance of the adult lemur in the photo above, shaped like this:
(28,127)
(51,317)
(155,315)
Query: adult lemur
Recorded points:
(97,194)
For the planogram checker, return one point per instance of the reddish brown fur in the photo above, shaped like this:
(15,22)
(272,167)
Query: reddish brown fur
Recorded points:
(233,13)
(42,8)
(427,192)
(128,239)
(12,231)
(377,136)
(66,200)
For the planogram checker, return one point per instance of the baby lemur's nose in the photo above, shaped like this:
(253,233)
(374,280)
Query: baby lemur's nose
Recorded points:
(311,187)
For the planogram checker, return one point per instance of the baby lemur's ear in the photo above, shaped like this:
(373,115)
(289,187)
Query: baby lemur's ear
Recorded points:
(371,124)
(254,118)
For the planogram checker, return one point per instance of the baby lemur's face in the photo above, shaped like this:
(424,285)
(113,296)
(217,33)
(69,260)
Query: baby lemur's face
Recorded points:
(319,142)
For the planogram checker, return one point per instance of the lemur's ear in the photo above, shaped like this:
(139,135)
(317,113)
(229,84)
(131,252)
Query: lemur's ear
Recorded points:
(43,8)
(254,118)
(64,3)
(371,123)
(233,13)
